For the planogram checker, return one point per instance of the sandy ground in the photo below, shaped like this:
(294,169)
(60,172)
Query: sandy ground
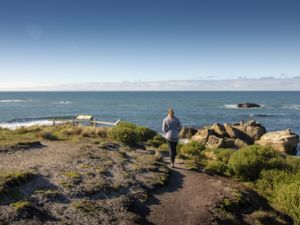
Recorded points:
(49,154)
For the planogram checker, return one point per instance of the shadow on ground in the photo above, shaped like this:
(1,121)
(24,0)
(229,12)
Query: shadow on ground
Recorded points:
(253,209)
(174,183)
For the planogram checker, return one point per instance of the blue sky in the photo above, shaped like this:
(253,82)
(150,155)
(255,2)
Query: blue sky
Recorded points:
(59,42)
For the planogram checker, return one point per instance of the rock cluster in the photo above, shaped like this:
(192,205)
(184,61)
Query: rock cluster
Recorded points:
(230,135)
(283,141)
(187,132)
(243,134)
(248,105)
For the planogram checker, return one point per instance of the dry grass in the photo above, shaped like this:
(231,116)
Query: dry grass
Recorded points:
(87,181)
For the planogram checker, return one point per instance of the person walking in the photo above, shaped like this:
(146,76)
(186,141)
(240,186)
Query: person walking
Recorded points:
(171,127)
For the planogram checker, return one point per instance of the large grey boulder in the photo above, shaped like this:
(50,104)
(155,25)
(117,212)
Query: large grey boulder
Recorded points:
(252,128)
(215,142)
(235,133)
(187,132)
(240,143)
(283,141)
(219,129)
(229,143)
(203,134)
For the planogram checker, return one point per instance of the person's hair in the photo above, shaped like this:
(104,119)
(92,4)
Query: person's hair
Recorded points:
(171,113)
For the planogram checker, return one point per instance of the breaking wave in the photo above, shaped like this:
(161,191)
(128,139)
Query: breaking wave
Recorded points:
(293,106)
(263,115)
(235,106)
(14,101)
(27,122)
(63,102)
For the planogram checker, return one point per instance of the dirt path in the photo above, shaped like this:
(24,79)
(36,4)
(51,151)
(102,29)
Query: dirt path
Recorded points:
(187,199)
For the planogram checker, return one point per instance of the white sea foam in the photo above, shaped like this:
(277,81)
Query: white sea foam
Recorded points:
(293,106)
(14,101)
(235,106)
(15,125)
(63,102)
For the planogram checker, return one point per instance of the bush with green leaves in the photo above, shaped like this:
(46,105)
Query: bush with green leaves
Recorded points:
(125,135)
(269,180)
(218,167)
(287,199)
(276,176)
(223,154)
(160,138)
(127,125)
(193,148)
(156,141)
(145,133)
(164,147)
(47,135)
(219,163)
(130,134)
(293,162)
(248,162)
(281,187)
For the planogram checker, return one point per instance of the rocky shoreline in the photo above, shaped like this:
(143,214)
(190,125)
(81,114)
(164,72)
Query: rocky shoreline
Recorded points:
(242,134)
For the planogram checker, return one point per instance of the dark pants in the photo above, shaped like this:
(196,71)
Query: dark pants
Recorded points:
(172,150)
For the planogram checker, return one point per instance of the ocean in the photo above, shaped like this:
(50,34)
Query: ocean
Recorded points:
(280,110)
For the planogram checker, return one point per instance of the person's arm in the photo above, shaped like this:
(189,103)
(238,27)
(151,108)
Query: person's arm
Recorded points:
(179,125)
(164,127)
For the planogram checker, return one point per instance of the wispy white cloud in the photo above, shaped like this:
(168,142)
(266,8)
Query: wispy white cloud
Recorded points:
(234,84)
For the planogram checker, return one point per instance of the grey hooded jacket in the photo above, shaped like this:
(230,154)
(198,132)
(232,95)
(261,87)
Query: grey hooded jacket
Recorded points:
(171,128)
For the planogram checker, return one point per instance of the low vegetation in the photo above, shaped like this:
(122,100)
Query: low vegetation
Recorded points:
(273,175)
(130,134)
(96,183)
(11,138)
(192,148)
(20,205)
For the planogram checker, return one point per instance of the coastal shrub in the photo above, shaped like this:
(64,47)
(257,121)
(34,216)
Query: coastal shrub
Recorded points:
(218,167)
(248,162)
(127,125)
(281,187)
(101,132)
(160,138)
(287,199)
(25,130)
(270,180)
(145,133)
(293,162)
(20,205)
(67,132)
(156,141)
(126,135)
(77,130)
(218,160)
(47,135)
(164,146)
(133,133)
(84,132)
(192,148)
(89,132)
(21,130)
(223,155)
